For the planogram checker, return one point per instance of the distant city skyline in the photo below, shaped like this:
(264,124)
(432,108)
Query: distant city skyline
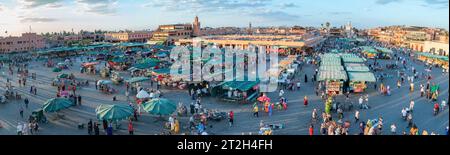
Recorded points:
(16,16)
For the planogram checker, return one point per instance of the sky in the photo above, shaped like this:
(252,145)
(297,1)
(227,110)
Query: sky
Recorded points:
(17,16)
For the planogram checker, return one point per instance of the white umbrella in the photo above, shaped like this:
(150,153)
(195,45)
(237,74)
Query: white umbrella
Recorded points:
(142,94)
(100,82)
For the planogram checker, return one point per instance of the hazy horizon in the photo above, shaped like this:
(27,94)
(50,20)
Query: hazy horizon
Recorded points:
(114,15)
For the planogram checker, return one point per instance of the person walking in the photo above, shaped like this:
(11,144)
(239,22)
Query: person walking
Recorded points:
(231,118)
(305,101)
(130,128)
(311,130)
(192,108)
(306,78)
(356,116)
(109,130)
(360,101)
(411,106)
(90,127)
(21,111)
(19,129)
(393,129)
(255,110)
(96,129)
(26,101)
(105,125)
(79,99)
(270,108)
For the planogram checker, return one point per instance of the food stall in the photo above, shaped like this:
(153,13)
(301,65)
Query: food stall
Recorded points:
(105,86)
(89,67)
(118,63)
(358,80)
(384,53)
(369,52)
(333,80)
(116,78)
(237,91)
(429,58)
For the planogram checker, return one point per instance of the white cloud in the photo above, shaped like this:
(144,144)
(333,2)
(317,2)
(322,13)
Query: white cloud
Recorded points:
(101,7)
(36,20)
(37,3)
(288,5)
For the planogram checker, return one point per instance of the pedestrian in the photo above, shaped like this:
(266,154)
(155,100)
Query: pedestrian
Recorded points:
(79,99)
(306,78)
(130,128)
(356,116)
(135,114)
(30,127)
(305,101)
(255,110)
(36,126)
(393,129)
(96,129)
(21,111)
(26,102)
(192,108)
(311,130)
(109,130)
(90,127)
(270,109)
(19,129)
(281,93)
(105,125)
(197,107)
(231,118)
(443,105)
(411,106)
(360,101)
(422,90)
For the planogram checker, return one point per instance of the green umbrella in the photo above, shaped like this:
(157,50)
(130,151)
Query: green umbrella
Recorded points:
(56,69)
(160,106)
(137,79)
(114,112)
(56,104)
(62,76)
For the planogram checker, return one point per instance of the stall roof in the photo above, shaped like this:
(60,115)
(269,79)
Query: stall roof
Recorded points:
(429,55)
(241,85)
(162,71)
(330,63)
(331,68)
(384,50)
(369,49)
(353,67)
(332,75)
(361,76)
(351,58)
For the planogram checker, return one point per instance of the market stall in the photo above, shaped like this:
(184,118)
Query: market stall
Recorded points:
(384,53)
(438,60)
(105,86)
(352,58)
(89,67)
(369,52)
(238,91)
(358,80)
(333,80)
